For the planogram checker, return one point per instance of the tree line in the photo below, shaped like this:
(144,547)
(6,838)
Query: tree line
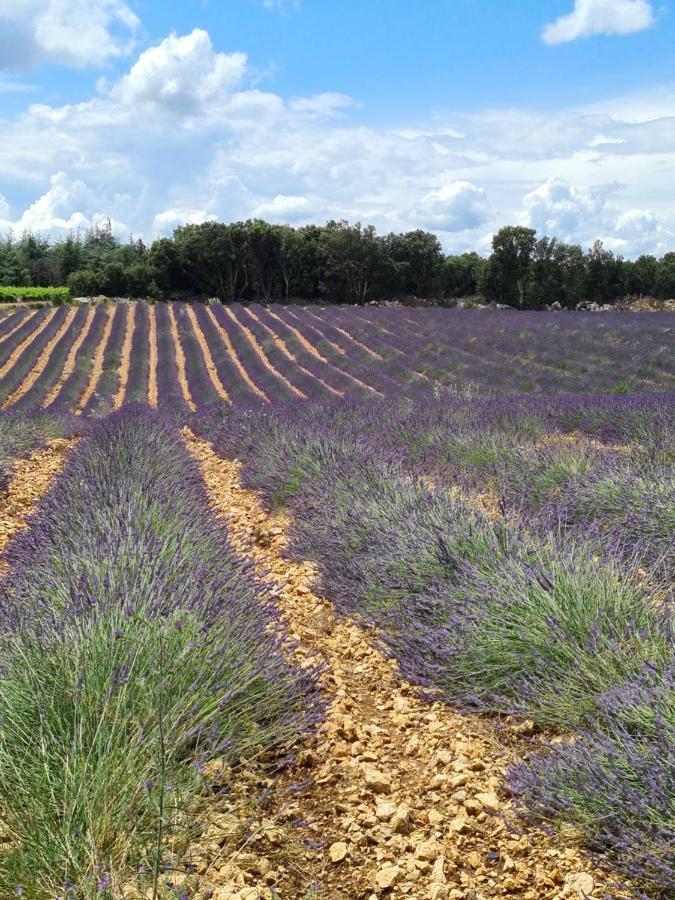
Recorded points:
(334,263)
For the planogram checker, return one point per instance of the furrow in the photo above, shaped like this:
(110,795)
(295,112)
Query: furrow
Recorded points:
(234,357)
(71,359)
(251,338)
(18,351)
(312,350)
(152,341)
(180,360)
(29,481)
(206,353)
(14,326)
(42,361)
(290,356)
(322,336)
(97,364)
(349,337)
(401,790)
(118,399)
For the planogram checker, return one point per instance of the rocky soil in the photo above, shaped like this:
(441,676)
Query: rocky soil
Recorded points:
(396,795)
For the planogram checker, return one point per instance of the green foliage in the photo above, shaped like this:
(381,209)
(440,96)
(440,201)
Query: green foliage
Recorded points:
(10,293)
(338,262)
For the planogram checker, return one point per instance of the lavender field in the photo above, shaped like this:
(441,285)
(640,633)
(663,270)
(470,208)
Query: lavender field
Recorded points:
(490,493)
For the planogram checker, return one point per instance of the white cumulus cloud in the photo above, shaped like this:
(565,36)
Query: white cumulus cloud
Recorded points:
(590,17)
(458,206)
(181,74)
(68,205)
(185,136)
(76,33)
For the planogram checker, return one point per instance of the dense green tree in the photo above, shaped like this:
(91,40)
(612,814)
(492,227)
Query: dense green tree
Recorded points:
(641,275)
(462,275)
(84,283)
(337,263)
(417,259)
(509,266)
(665,277)
(264,248)
(604,275)
(353,258)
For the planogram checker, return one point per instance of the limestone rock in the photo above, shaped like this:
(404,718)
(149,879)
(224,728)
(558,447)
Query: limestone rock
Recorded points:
(337,851)
(378,782)
(387,876)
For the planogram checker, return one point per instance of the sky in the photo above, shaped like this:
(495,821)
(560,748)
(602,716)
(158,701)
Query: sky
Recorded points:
(456,116)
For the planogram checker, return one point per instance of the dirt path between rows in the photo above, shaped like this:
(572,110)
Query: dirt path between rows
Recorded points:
(180,360)
(152,351)
(395,796)
(42,362)
(125,361)
(281,345)
(232,353)
(206,356)
(262,356)
(29,479)
(25,343)
(97,362)
(71,360)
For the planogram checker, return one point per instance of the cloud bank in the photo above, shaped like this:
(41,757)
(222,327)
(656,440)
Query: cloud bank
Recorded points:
(184,135)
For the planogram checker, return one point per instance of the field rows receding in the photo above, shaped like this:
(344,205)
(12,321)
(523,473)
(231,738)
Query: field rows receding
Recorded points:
(377,594)
(183,357)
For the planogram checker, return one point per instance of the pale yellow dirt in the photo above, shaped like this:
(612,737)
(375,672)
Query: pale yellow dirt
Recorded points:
(152,340)
(18,351)
(332,344)
(71,359)
(125,360)
(251,338)
(311,349)
(18,325)
(395,796)
(208,359)
(349,337)
(232,353)
(41,363)
(283,347)
(97,363)
(30,478)
(180,359)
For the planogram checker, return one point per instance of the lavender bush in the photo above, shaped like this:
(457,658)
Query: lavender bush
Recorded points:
(132,642)
(615,781)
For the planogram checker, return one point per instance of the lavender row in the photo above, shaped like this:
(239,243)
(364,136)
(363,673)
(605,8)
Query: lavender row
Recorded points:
(73,387)
(139,362)
(170,395)
(101,400)
(301,381)
(349,357)
(12,320)
(147,651)
(239,390)
(202,388)
(26,361)
(493,615)
(49,375)
(274,388)
(14,340)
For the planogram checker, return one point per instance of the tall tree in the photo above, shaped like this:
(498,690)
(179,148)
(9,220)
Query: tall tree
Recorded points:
(509,265)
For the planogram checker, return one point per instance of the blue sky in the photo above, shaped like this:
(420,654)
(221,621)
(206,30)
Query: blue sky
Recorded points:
(453,115)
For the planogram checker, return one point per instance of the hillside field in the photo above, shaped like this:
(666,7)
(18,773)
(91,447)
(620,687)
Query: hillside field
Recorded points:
(336,603)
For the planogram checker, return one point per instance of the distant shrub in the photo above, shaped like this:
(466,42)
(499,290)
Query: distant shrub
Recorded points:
(55,294)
